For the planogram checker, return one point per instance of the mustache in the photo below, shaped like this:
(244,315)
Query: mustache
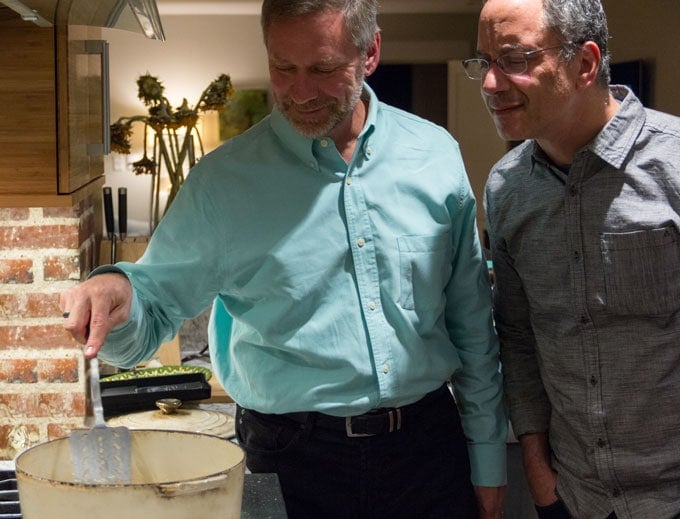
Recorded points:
(304,107)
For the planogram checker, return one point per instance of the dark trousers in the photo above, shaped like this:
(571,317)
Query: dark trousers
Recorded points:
(421,470)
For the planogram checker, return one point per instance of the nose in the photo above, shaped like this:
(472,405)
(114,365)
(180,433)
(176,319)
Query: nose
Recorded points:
(303,88)
(494,80)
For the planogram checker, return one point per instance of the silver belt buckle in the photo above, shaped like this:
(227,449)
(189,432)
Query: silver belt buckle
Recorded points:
(394,416)
(350,433)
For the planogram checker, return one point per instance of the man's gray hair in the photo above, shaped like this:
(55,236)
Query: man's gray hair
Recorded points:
(578,21)
(360,16)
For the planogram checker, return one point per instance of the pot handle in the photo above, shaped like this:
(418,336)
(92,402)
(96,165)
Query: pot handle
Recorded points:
(192,487)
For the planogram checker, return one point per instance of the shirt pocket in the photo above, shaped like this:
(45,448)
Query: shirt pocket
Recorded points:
(642,271)
(423,262)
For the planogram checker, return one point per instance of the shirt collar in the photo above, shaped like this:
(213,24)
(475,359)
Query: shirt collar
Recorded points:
(615,140)
(303,147)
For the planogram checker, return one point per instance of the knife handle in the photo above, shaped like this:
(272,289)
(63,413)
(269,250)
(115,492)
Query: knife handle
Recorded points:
(122,212)
(108,212)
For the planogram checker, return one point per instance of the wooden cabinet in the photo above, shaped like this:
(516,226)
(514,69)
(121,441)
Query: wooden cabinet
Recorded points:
(82,106)
(53,105)
(54,124)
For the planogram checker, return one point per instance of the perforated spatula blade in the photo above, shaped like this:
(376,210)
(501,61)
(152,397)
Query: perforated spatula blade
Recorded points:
(100,455)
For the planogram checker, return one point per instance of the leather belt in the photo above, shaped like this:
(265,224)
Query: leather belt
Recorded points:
(383,420)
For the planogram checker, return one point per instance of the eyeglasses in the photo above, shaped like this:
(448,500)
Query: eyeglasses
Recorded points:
(510,64)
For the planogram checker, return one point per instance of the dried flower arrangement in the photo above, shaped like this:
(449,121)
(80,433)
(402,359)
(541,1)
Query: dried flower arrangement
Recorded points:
(173,148)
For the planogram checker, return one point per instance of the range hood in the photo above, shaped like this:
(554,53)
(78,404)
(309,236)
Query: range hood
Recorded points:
(133,15)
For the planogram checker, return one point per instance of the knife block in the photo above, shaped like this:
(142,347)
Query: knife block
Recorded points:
(129,249)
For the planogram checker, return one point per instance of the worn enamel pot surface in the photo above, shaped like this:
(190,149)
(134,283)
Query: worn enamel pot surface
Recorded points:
(175,475)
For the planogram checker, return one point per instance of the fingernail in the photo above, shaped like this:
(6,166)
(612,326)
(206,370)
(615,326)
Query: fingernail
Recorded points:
(89,350)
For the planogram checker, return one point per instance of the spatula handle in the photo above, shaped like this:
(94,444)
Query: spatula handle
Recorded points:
(95,392)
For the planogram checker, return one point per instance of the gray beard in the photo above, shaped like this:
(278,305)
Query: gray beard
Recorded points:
(323,128)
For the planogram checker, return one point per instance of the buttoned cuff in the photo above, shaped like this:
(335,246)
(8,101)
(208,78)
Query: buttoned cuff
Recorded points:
(488,464)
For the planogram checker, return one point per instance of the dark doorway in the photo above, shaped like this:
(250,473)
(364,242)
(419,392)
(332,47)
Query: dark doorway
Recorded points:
(417,88)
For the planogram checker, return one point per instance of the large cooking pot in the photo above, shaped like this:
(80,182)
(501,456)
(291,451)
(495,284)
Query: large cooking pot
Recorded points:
(175,475)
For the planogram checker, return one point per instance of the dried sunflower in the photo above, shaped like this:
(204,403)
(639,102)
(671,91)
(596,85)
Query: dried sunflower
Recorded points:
(144,166)
(160,116)
(150,90)
(185,116)
(173,151)
(217,95)
(120,137)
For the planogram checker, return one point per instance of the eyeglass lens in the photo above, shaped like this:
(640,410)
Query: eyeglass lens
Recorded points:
(512,63)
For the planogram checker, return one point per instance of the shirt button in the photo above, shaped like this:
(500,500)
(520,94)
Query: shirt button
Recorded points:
(616,492)
(324,143)
(361,242)
(372,305)
(593,380)
(348,180)
(385,368)
(573,191)
(584,319)
(369,150)
(601,443)
(577,256)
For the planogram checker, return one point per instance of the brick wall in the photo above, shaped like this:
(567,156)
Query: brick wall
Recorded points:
(42,252)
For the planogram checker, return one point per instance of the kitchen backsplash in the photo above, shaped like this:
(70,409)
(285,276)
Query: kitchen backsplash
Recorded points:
(42,252)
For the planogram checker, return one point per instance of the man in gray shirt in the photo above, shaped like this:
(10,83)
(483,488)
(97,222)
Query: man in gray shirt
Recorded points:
(584,220)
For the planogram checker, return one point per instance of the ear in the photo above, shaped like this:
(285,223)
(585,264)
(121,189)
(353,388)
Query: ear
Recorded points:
(373,55)
(588,60)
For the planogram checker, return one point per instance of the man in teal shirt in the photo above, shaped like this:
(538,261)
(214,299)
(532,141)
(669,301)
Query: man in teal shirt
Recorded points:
(339,235)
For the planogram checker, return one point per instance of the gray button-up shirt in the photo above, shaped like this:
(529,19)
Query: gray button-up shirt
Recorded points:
(587,266)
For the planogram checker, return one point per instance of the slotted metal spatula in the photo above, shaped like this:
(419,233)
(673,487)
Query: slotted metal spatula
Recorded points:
(100,455)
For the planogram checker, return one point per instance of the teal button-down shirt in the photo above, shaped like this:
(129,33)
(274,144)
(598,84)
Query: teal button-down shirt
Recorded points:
(335,287)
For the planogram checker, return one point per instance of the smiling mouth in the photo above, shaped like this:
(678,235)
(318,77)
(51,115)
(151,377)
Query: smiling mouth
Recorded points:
(504,109)
(307,108)
(308,111)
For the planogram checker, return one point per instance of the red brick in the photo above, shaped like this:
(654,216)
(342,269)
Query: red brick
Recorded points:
(14,214)
(22,404)
(41,405)
(56,371)
(16,271)
(75,211)
(59,430)
(88,261)
(62,404)
(19,371)
(39,336)
(5,430)
(60,212)
(39,237)
(31,305)
(26,435)
(87,227)
(60,268)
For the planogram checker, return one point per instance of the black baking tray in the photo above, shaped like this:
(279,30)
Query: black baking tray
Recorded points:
(140,394)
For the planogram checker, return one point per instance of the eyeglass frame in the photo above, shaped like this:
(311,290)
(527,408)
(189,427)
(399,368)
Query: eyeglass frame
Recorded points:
(525,56)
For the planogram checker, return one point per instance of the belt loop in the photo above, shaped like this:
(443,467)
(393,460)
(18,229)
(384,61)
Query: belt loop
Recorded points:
(391,413)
